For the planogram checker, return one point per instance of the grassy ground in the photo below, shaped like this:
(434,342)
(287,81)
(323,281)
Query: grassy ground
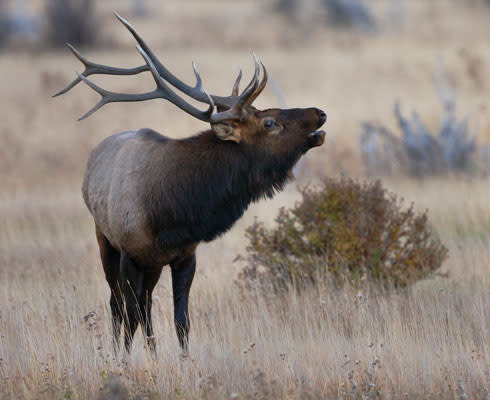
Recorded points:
(432,341)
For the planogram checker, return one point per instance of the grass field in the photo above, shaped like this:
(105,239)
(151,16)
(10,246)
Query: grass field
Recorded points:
(431,341)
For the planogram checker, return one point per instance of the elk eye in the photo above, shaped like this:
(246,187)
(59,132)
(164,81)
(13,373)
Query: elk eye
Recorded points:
(270,124)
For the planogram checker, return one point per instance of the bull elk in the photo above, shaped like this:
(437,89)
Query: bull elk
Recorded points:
(154,199)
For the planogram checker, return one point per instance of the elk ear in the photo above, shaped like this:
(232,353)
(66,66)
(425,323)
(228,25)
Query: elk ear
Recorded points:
(226,130)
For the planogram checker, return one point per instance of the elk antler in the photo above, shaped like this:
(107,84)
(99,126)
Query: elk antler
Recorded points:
(93,68)
(232,105)
(162,91)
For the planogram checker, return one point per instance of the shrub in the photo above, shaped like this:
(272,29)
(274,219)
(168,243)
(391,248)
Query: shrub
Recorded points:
(4,24)
(24,26)
(351,13)
(339,13)
(418,151)
(287,6)
(343,231)
(71,21)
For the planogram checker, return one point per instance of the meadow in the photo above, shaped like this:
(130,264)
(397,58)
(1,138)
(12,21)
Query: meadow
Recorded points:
(429,341)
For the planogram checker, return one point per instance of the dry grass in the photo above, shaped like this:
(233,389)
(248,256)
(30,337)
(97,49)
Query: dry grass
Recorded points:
(432,341)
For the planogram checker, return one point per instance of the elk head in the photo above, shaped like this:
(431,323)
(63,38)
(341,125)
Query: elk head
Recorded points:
(235,119)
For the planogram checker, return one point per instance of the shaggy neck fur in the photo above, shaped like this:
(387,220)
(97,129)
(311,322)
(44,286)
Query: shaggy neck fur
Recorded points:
(219,186)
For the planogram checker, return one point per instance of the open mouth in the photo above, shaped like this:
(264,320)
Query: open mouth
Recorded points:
(316,138)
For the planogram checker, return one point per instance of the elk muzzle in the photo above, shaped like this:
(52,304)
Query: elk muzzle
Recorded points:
(317,138)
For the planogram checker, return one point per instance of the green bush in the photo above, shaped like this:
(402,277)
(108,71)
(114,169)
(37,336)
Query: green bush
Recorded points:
(345,231)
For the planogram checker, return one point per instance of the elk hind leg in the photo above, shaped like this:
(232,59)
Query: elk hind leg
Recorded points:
(149,282)
(132,288)
(111,262)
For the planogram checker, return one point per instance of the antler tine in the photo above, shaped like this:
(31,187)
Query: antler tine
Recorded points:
(198,77)
(171,96)
(254,77)
(212,105)
(251,87)
(261,86)
(236,86)
(77,80)
(93,68)
(104,96)
(250,93)
(111,97)
(162,91)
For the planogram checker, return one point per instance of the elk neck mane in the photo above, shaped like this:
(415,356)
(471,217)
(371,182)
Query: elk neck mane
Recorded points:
(214,189)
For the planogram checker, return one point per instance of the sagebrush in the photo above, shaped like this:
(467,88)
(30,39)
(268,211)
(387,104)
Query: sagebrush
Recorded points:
(4,24)
(420,151)
(349,13)
(336,13)
(342,231)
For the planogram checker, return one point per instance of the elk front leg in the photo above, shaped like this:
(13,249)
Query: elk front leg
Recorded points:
(182,276)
